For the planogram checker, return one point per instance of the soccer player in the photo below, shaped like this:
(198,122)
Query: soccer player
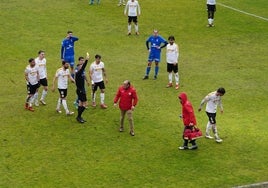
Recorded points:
(32,79)
(80,87)
(63,74)
(189,120)
(133,10)
(154,49)
(121,2)
(211,9)
(128,100)
(97,72)
(67,50)
(213,99)
(172,55)
(42,69)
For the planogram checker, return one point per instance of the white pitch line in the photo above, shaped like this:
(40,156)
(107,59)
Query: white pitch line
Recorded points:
(266,19)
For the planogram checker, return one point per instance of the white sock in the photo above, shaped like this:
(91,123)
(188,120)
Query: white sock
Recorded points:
(136,28)
(170,77)
(102,98)
(93,97)
(177,78)
(44,94)
(208,128)
(129,28)
(59,103)
(36,96)
(31,100)
(64,104)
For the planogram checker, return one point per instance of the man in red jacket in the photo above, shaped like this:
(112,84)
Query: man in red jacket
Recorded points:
(128,100)
(189,120)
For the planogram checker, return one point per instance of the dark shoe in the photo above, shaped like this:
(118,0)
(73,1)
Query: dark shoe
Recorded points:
(145,77)
(155,77)
(80,120)
(193,147)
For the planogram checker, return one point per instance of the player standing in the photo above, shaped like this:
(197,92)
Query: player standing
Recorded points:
(154,49)
(62,74)
(133,9)
(67,50)
(32,80)
(42,69)
(172,55)
(96,74)
(211,9)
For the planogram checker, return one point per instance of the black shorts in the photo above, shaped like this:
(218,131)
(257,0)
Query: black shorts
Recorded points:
(31,89)
(132,19)
(63,93)
(81,95)
(172,67)
(98,84)
(43,82)
(211,117)
(211,8)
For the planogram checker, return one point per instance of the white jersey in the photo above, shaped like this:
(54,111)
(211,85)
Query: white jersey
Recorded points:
(211,2)
(133,8)
(62,76)
(96,71)
(172,53)
(32,74)
(41,63)
(212,102)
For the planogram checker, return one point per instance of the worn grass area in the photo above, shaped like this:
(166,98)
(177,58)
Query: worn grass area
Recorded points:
(45,149)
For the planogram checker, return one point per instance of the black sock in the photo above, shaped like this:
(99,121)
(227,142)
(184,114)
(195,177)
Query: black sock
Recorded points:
(80,111)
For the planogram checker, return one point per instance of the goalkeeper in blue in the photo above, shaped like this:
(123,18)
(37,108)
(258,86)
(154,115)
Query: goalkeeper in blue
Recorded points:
(67,50)
(153,44)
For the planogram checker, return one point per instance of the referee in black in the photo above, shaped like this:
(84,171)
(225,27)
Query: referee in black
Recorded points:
(80,87)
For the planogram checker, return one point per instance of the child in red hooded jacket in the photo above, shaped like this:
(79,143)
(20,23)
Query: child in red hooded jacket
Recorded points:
(189,120)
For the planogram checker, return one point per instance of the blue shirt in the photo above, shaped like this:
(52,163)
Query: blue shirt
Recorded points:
(67,47)
(155,43)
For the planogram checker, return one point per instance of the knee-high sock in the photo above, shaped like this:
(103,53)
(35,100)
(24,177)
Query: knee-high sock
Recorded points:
(44,94)
(59,103)
(64,104)
(148,69)
(177,78)
(102,96)
(80,110)
(209,126)
(170,77)
(156,69)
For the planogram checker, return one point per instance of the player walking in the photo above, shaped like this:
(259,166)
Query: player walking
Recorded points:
(62,74)
(213,99)
(96,73)
(32,80)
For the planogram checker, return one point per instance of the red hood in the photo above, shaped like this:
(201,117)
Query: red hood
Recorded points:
(183,97)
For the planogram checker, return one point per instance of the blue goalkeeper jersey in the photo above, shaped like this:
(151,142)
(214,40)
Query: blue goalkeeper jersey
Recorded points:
(67,47)
(155,43)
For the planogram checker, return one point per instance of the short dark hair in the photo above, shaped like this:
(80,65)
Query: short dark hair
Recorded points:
(68,32)
(221,90)
(64,62)
(80,58)
(30,60)
(41,51)
(171,37)
(97,56)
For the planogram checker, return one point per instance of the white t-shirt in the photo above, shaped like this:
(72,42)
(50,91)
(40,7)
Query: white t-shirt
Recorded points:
(62,76)
(211,2)
(133,8)
(96,71)
(41,63)
(32,74)
(172,53)
(212,102)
